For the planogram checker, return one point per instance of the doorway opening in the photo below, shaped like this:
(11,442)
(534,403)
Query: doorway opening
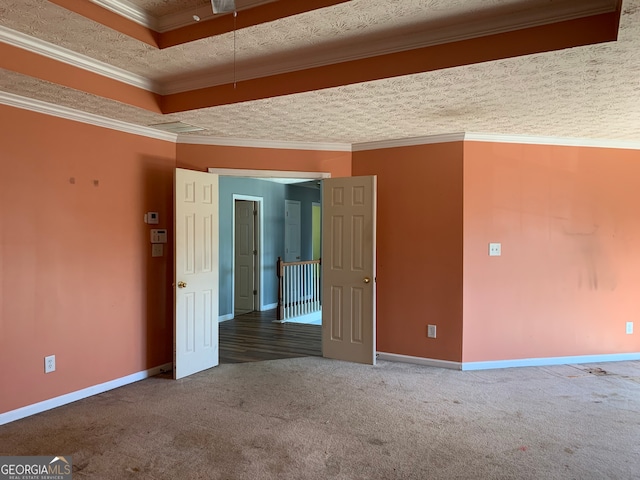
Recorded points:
(247,329)
(247,253)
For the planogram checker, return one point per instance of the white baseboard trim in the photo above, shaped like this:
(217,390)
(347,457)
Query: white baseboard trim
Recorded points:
(269,306)
(541,362)
(55,402)
(429,362)
(224,318)
(524,362)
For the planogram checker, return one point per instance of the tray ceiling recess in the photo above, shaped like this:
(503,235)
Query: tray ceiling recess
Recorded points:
(332,70)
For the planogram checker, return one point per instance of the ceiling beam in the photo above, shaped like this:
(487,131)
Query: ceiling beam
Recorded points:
(556,36)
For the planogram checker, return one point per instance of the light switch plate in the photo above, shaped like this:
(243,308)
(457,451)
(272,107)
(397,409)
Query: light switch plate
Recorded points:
(629,328)
(495,249)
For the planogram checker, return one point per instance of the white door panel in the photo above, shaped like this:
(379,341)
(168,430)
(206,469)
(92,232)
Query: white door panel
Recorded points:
(292,227)
(196,272)
(348,257)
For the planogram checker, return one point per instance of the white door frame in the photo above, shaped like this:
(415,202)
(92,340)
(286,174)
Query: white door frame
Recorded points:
(260,238)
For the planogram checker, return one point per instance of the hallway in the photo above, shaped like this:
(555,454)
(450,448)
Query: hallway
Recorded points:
(254,337)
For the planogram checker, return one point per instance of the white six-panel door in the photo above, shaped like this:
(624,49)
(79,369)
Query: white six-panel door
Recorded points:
(292,226)
(245,249)
(349,269)
(196,272)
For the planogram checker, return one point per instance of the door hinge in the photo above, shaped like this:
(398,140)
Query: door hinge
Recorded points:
(255,212)
(255,252)
(255,292)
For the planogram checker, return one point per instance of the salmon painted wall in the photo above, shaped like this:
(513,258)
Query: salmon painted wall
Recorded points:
(202,157)
(419,244)
(567,281)
(76,273)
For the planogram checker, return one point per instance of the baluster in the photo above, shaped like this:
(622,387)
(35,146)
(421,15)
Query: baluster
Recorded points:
(285,293)
(298,288)
(292,302)
(290,272)
(289,292)
(294,288)
(316,290)
(304,289)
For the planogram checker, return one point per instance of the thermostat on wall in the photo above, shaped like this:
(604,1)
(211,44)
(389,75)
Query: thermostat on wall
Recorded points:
(158,236)
(152,218)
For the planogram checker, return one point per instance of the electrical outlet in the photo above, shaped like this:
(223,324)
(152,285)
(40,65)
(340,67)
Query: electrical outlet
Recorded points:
(50,364)
(431,331)
(629,328)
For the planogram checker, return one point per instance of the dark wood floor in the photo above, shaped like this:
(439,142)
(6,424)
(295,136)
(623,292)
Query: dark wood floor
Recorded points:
(254,337)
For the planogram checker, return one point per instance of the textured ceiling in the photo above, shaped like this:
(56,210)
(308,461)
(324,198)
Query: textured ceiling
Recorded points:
(591,91)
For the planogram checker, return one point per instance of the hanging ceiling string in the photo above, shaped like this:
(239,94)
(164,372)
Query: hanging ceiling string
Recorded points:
(235,16)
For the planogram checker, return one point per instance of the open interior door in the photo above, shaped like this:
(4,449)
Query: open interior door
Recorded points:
(349,269)
(195,333)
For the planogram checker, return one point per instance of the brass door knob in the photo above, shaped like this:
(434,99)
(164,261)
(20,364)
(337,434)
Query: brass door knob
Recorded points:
(366,280)
(182,284)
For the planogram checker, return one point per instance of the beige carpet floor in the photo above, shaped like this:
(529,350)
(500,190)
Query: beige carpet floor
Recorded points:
(312,418)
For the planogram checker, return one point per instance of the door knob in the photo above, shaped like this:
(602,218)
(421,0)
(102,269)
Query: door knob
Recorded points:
(366,280)
(182,284)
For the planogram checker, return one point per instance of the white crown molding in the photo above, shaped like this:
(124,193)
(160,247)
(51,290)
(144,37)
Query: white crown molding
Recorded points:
(168,22)
(46,108)
(408,142)
(89,118)
(176,20)
(559,141)
(129,11)
(251,143)
(497,138)
(61,54)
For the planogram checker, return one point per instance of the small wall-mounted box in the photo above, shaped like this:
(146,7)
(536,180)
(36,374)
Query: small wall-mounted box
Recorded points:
(152,218)
(158,236)
(495,249)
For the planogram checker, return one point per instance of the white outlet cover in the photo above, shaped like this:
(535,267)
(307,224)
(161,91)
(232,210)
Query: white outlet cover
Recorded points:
(629,328)
(495,249)
(50,364)
(431,331)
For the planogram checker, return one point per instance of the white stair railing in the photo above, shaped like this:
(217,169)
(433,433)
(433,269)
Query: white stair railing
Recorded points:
(298,288)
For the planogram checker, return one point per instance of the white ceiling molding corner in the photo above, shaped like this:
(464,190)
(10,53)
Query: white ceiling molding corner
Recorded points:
(82,117)
(129,11)
(75,59)
(408,142)
(256,143)
(559,141)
